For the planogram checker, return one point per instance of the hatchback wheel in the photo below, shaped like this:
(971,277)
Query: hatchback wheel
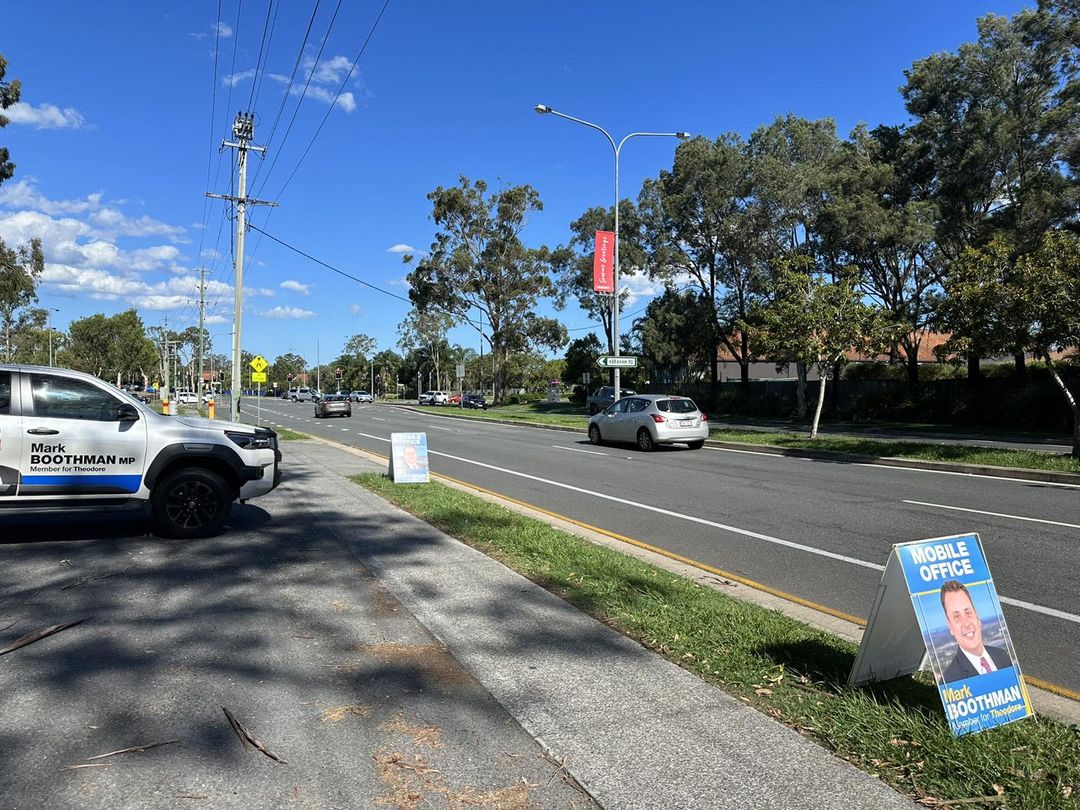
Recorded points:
(697,445)
(644,440)
(189,503)
(594,435)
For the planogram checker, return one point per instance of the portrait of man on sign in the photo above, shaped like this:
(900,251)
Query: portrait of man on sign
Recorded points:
(973,656)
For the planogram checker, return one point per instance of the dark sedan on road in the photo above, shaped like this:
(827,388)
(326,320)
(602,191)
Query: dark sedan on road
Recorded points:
(476,401)
(333,405)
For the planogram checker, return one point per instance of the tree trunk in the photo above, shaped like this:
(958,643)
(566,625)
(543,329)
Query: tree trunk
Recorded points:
(1072,403)
(744,363)
(1020,366)
(800,389)
(974,373)
(912,363)
(823,376)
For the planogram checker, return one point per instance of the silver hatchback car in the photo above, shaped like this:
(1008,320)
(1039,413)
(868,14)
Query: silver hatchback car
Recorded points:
(651,419)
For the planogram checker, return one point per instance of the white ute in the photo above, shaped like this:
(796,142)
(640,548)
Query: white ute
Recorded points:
(71,441)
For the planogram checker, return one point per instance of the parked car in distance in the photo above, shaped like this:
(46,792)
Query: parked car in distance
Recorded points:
(333,405)
(455,399)
(299,394)
(475,401)
(599,399)
(434,398)
(186,397)
(651,419)
(361,396)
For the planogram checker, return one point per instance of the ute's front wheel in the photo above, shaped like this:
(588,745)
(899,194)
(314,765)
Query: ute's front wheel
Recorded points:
(190,503)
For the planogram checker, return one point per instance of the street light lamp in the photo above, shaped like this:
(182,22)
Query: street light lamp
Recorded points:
(544,109)
(51,311)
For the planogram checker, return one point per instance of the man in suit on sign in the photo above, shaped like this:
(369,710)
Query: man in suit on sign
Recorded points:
(973,658)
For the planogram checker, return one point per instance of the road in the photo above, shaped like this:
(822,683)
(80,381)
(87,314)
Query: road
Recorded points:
(821,530)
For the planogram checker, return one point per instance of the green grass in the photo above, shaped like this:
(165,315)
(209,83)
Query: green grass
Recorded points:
(883,448)
(286,435)
(794,673)
(566,415)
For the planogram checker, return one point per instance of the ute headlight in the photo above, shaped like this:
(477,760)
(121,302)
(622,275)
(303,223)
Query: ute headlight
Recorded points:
(251,441)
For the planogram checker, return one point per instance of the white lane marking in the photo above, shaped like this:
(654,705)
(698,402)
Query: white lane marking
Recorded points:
(996,514)
(1048,611)
(743,452)
(659,510)
(345,429)
(380,419)
(579,450)
(436,427)
(1028,481)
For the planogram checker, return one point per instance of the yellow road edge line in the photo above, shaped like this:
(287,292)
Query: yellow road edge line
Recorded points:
(1047,686)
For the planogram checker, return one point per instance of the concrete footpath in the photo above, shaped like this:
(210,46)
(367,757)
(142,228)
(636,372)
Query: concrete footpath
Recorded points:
(634,730)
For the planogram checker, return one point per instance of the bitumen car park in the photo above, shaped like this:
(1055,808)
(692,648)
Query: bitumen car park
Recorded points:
(69,441)
(648,420)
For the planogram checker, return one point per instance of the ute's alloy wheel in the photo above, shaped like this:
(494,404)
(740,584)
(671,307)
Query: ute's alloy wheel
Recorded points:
(594,435)
(644,440)
(192,502)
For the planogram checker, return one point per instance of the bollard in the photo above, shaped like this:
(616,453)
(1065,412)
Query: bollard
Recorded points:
(210,409)
(165,406)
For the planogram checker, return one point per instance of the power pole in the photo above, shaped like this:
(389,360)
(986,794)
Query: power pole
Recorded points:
(202,333)
(244,132)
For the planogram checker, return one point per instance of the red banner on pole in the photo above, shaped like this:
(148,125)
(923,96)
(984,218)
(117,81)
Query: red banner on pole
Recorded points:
(604,262)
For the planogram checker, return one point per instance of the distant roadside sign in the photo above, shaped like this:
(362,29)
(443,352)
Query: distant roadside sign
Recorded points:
(259,364)
(616,362)
(258,376)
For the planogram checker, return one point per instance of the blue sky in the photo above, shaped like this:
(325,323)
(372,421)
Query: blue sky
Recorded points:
(117,137)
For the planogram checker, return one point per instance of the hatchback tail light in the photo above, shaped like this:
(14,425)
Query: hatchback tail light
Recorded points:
(658,418)
(704,418)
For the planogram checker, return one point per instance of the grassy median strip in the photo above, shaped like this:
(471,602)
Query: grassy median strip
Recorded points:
(883,448)
(286,435)
(792,672)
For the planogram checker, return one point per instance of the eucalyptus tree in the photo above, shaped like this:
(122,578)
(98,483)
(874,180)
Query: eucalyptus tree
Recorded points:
(478,262)
(423,332)
(703,228)
(876,220)
(9,94)
(676,334)
(793,164)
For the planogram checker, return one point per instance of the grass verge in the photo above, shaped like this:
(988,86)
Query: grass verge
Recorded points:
(881,448)
(792,672)
(286,435)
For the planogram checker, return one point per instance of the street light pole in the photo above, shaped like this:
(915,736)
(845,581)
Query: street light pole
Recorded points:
(543,109)
(51,311)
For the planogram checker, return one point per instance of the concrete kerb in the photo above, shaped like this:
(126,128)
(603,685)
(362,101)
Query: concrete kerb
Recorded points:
(1057,706)
(1041,476)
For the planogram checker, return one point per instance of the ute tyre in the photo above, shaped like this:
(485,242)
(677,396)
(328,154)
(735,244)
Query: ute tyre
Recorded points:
(189,503)
(696,445)
(644,440)
(594,435)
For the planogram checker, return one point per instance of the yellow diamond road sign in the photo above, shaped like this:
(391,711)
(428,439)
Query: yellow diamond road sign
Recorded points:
(259,364)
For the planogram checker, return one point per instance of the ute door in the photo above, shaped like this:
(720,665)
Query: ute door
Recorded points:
(10,438)
(80,440)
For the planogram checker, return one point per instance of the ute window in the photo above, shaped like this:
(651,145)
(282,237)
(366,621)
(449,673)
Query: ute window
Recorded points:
(676,405)
(5,392)
(65,398)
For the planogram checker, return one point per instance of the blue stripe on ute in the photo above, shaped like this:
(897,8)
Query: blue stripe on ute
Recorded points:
(123,483)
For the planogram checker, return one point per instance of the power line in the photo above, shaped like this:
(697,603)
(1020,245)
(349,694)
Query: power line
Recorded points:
(337,95)
(256,79)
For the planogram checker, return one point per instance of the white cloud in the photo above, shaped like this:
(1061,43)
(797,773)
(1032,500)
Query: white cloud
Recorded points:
(23,194)
(259,292)
(401,247)
(296,286)
(233,79)
(400,282)
(287,312)
(347,101)
(216,319)
(45,116)
(332,70)
(356,309)
(223,30)
(638,287)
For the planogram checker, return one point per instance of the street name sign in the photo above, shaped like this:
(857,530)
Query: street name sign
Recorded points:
(609,361)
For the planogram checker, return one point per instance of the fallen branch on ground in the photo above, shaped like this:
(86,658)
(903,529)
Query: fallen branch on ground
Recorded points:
(247,738)
(38,635)
(132,750)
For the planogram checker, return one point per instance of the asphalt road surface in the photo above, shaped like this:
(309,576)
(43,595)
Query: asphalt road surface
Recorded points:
(821,530)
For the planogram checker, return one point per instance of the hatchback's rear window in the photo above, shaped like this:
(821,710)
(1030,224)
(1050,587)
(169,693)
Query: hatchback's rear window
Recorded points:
(676,405)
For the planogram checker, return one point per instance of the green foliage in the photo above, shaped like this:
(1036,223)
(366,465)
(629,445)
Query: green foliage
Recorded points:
(677,336)
(478,261)
(113,347)
(9,94)
(581,357)
(20,269)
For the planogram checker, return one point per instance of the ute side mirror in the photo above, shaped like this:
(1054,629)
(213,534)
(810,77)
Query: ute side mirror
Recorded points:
(126,412)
